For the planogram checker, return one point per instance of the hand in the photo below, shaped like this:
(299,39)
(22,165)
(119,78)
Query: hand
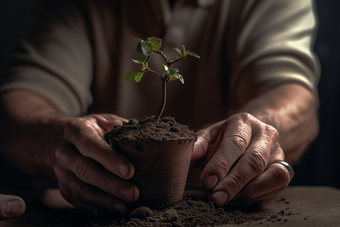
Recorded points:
(91,175)
(237,158)
(11,206)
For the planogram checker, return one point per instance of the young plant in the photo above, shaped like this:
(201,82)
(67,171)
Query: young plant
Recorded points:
(152,46)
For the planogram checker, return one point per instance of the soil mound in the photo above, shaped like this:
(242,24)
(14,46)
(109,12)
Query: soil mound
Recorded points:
(149,130)
(189,212)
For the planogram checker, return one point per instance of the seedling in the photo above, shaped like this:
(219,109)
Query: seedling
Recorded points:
(152,46)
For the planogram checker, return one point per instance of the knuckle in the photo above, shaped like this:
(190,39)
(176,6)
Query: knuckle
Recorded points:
(245,117)
(271,132)
(257,162)
(241,118)
(59,153)
(239,142)
(78,190)
(82,170)
(71,126)
(280,175)
(106,187)
(76,125)
(85,145)
(235,182)
(107,158)
(65,192)
(58,171)
(223,166)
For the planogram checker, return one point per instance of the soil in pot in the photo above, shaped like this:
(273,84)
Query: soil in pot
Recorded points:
(161,154)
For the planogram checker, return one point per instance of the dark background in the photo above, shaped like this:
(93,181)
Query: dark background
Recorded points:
(321,163)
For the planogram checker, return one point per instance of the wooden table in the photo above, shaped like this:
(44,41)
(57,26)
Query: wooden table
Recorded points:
(296,206)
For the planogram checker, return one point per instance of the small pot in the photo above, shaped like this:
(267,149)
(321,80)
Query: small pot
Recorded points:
(161,167)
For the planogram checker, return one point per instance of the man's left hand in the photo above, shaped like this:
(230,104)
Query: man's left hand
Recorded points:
(237,158)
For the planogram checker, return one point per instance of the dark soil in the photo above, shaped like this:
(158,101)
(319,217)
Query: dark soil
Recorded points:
(192,212)
(148,130)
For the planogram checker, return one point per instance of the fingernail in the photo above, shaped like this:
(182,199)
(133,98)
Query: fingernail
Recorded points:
(211,181)
(123,169)
(126,193)
(119,207)
(220,198)
(14,208)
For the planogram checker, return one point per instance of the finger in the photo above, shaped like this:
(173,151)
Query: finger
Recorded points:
(203,144)
(108,121)
(276,177)
(85,134)
(94,174)
(86,197)
(236,137)
(250,165)
(11,206)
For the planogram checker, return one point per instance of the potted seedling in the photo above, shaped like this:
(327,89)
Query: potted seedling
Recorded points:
(160,148)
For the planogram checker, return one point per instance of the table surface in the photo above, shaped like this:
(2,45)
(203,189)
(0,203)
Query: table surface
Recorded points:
(296,206)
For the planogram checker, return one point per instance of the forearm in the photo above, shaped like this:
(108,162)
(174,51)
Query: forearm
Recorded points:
(31,130)
(292,110)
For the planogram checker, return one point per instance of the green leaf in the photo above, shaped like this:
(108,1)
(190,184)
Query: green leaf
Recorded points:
(146,48)
(151,38)
(180,77)
(156,43)
(169,59)
(165,68)
(129,76)
(147,59)
(178,51)
(139,77)
(138,39)
(184,51)
(137,60)
(172,72)
(138,47)
(144,69)
(194,54)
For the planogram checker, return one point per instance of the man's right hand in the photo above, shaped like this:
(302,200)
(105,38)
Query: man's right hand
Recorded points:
(91,175)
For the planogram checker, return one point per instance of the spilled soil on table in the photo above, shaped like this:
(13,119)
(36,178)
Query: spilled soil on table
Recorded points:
(192,212)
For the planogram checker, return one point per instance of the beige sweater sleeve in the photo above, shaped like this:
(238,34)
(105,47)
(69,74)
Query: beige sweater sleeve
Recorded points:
(54,59)
(272,43)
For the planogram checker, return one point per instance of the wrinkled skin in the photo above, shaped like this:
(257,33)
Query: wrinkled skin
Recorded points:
(237,158)
(236,155)
(91,175)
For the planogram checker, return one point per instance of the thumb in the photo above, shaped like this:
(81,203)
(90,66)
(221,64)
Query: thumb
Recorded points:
(107,121)
(11,206)
(199,152)
(206,145)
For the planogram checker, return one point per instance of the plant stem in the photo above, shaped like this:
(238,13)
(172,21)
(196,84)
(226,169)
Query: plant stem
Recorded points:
(152,71)
(161,109)
(166,59)
(165,79)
